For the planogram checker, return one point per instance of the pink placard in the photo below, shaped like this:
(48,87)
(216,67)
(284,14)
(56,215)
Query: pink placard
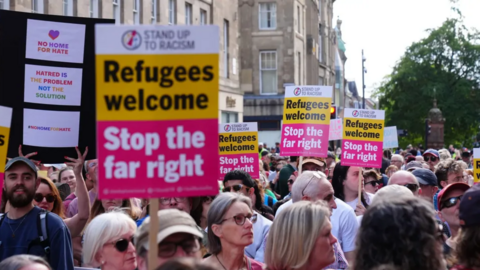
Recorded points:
(362,153)
(304,140)
(152,159)
(246,162)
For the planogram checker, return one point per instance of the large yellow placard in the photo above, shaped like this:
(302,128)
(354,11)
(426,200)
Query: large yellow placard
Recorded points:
(156,87)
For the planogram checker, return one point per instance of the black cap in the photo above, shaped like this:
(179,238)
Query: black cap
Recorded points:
(425,177)
(469,207)
(26,161)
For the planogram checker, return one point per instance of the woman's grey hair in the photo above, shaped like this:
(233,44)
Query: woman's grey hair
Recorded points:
(17,262)
(404,225)
(307,185)
(293,235)
(102,229)
(216,214)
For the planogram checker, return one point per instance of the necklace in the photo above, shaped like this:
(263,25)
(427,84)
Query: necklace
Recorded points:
(13,231)
(224,265)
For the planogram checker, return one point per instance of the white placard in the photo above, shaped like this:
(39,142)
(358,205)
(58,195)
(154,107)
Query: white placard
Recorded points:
(53,85)
(336,130)
(5,116)
(237,127)
(50,128)
(55,41)
(156,39)
(390,137)
(308,91)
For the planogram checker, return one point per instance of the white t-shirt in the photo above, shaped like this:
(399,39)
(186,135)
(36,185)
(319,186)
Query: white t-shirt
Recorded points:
(344,224)
(353,203)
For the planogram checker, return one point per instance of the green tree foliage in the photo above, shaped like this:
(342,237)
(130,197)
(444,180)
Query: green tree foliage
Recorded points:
(448,60)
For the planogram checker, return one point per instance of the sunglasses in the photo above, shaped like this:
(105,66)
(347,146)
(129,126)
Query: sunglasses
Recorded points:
(122,244)
(428,158)
(412,187)
(39,197)
(235,188)
(167,250)
(450,202)
(373,183)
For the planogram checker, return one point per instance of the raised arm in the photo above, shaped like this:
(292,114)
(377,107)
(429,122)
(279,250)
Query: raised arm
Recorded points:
(77,222)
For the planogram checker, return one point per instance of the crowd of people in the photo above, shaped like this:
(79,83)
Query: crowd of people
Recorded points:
(420,210)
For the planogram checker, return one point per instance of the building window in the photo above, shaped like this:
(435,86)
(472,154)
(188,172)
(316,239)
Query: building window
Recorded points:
(68,7)
(226,46)
(5,4)
(116,11)
(299,62)
(154,12)
(229,117)
(320,8)
(136,11)
(299,20)
(320,81)
(188,13)
(203,17)
(267,16)
(320,44)
(93,8)
(172,12)
(268,72)
(37,6)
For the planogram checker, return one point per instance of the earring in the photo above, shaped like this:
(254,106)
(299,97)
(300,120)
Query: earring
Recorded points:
(103,262)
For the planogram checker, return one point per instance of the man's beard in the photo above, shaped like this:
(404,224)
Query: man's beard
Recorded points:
(20,200)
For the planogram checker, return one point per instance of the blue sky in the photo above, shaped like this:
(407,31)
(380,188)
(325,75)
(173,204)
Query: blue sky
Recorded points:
(385,28)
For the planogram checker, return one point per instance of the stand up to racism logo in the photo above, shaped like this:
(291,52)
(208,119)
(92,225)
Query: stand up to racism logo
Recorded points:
(297,91)
(131,40)
(228,128)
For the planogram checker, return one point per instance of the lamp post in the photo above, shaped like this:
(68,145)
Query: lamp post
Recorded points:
(363,79)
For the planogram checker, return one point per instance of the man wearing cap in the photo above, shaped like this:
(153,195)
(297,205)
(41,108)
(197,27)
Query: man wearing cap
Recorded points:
(412,165)
(313,164)
(468,244)
(428,183)
(448,204)
(466,158)
(431,156)
(19,233)
(177,236)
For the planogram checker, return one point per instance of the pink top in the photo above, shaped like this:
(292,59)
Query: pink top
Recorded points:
(254,265)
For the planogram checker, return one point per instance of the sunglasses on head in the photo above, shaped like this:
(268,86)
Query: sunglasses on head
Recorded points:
(450,202)
(412,187)
(122,244)
(373,183)
(428,158)
(39,197)
(235,188)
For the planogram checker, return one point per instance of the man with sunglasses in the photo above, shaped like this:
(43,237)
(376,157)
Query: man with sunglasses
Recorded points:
(406,179)
(177,237)
(241,182)
(431,156)
(19,233)
(448,204)
(448,171)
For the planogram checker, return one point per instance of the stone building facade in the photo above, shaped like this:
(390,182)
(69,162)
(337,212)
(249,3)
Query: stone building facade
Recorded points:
(164,12)
(283,42)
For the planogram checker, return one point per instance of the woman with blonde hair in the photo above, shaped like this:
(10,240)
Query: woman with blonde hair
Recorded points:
(301,238)
(104,206)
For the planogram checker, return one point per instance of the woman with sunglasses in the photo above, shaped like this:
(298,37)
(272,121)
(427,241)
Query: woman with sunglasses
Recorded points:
(108,242)
(48,197)
(371,181)
(230,230)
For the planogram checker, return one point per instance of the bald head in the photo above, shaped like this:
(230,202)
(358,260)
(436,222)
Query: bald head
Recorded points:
(403,178)
(313,186)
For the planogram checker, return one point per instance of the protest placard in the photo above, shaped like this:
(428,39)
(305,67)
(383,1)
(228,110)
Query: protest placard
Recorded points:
(362,143)
(306,121)
(53,78)
(476,165)
(336,127)
(390,137)
(238,148)
(157,111)
(5,121)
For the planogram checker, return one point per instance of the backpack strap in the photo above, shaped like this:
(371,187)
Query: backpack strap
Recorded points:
(2,217)
(42,230)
